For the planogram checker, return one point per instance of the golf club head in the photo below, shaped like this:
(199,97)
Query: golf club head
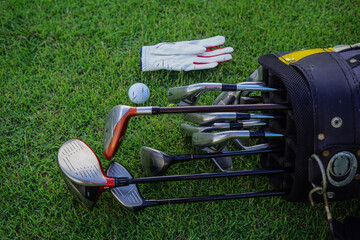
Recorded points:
(223,163)
(225,98)
(79,163)
(115,128)
(154,162)
(128,196)
(189,129)
(178,94)
(256,76)
(86,195)
(191,100)
(210,118)
(208,139)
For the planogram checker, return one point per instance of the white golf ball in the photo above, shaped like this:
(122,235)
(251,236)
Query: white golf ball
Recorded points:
(139,93)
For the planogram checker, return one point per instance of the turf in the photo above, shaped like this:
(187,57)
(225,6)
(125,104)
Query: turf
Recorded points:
(64,64)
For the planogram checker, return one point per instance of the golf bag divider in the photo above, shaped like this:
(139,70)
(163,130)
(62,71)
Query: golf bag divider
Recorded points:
(323,90)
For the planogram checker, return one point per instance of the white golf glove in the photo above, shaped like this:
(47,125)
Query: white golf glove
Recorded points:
(186,55)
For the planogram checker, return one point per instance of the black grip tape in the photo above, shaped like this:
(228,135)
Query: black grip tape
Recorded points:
(254,134)
(242,116)
(235,126)
(155,110)
(228,87)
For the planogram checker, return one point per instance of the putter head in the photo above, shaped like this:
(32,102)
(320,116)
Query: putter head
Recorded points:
(79,163)
(128,196)
(115,128)
(154,162)
(177,94)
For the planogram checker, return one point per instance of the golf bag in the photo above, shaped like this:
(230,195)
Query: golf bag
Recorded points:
(322,129)
(323,90)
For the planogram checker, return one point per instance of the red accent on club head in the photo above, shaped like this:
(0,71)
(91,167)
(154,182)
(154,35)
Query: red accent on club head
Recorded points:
(119,133)
(110,181)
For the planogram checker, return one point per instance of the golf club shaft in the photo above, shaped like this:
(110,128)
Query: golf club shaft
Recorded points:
(189,157)
(216,108)
(127,181)
(189,129)
(210,118)
(214,198)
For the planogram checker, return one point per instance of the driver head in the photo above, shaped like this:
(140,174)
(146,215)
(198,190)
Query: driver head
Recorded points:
(154,162)
(86,195)
(80,169)
(79,163)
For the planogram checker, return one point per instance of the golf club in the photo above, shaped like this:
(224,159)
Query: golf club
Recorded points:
(191,100)
(82,170)
(118,118)
(130,199)
(177,94)
(204,139)
(189,129)
(225,98)
(209,118)
(155,162)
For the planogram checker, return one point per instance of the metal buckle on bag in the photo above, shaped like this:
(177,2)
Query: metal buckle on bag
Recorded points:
(321,190)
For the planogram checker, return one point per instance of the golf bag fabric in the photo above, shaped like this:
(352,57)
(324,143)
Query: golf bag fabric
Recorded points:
(323,91)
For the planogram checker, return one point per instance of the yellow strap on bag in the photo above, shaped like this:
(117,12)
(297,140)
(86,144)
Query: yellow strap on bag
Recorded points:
(296,56)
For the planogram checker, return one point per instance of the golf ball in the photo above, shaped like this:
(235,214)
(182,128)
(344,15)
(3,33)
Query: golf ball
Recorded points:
(139,93)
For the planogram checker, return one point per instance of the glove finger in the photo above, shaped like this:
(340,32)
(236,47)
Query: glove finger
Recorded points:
(178,48)
(209,42)
(216,52)
(218,59)
(197,66)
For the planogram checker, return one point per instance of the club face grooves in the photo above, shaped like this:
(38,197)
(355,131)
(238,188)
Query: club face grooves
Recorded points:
(128,196)
(80,164)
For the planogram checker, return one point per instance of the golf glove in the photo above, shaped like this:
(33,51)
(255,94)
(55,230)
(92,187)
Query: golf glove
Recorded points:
(185,55)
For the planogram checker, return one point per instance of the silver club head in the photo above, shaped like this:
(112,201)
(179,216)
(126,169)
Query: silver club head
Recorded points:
(178,94)
(80,164)
(223,163)
(128,196)
(205,119)
(113,117)
(204,139)
(191,100)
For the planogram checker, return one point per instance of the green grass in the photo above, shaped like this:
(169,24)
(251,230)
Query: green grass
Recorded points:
(64,64)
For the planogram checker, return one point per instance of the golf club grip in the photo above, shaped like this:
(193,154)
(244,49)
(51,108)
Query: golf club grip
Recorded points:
(205,176)
(218,108)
